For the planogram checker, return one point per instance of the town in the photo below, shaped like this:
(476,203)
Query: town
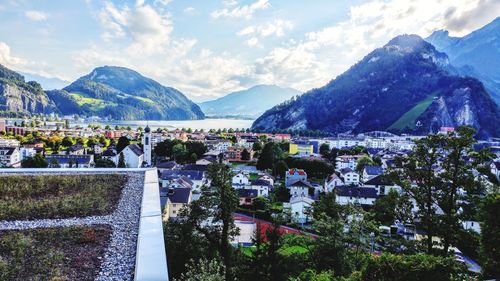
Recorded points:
(286,183)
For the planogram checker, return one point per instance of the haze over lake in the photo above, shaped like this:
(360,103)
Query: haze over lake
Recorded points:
(205,124)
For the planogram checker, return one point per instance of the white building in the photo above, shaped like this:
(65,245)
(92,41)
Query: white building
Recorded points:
(300,209)
(10,157)
(133,156)
(332,181)
(349,176)
(27,152)
(346,161)
(299,188)
(240,179)
(355,195)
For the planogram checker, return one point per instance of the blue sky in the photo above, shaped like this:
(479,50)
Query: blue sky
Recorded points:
(209,48)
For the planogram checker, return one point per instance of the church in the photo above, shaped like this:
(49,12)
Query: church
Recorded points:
(135,156)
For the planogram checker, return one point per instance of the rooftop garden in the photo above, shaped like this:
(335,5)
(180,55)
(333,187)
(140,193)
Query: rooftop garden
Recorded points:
(26,197)
(71,253)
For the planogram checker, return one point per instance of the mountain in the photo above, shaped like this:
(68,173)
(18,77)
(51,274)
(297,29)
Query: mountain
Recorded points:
(124,94)
(402,87)
(248,103)
(476,54)
(48,83)
(18,97)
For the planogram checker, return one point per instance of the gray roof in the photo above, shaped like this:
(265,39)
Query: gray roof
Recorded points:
(175,174)
(348,191)
(137,150)
(179,195)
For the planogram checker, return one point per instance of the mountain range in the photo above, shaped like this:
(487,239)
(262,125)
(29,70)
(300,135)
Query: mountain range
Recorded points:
(47,83)
(249,103)
(406,86)
(476,54)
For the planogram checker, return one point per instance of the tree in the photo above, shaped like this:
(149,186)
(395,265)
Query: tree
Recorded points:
(217,204)
(257,146)
(122,143)
(416,176)
(324,150)
(280,168)
(457,174)
(363,161)
(54,163)
(206,270)
(490,238)
(67,141)
(418,267)
(245,155)
(392,207)
(270,153)
(104,163)
(37,161)
(121,161)
(179,151)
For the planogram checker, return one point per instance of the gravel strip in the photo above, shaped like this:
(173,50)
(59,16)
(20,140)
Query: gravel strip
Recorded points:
(119,258)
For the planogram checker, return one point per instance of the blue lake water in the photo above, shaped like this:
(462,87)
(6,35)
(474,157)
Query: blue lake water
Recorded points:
(205,124)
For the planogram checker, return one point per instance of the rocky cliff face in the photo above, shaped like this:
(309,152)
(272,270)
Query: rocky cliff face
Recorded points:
(19,96)
(404,86)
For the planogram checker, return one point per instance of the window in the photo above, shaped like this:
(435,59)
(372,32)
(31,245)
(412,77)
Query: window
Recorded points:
(146,141)
(174,205)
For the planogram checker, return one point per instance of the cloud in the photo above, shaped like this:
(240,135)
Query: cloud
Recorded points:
(323,54)
(7,59)
(189,10)
(245,11)
(148,30)
(36,15)
(463,19)
(276,28)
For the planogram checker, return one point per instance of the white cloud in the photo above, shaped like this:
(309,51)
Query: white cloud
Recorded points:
(189,10)
(276,28)
(36,15)
(148,30)
(327,52)
(245,11)
(254,41)
(7,59)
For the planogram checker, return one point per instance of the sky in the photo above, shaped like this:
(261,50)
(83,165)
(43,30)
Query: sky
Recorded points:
(209,48)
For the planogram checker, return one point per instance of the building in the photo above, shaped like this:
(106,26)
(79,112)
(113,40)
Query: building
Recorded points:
(9,142)
(349,176)
(262,186)
(369,172)
(70,161)
(76,149)
(247,196)
(27,152)
(10,157)
(332,181)
(293,175)
(240,179)
(301,148)
(299,188)
(147,146)
(382,185)
(346,161)
(177,198)
(198,178)
(133,156)
(300,209)
(355,195)
(237,154)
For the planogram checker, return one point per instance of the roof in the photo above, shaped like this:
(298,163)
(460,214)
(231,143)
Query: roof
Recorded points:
(175,174)
(347,191)
(65,159)
(10,150)
(167,165)
(300,183)
(297,199)
(179,195)
(261,183)
(333,177)
(294,171)
(374,170)
(109,152)
(137,150)
(194,167)
(251,193)
(76,147)
(185,182)
(346,170)
(379,180)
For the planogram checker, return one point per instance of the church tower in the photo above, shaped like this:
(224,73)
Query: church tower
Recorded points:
(146,143)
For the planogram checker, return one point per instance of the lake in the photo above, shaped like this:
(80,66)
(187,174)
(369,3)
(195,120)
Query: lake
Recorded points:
(205,124)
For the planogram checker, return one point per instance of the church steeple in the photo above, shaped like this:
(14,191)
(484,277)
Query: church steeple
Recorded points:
(146,143)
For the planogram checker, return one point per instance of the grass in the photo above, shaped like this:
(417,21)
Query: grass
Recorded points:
(58,196)
(53,253)
(409,119)
(293,250)
(94,104)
